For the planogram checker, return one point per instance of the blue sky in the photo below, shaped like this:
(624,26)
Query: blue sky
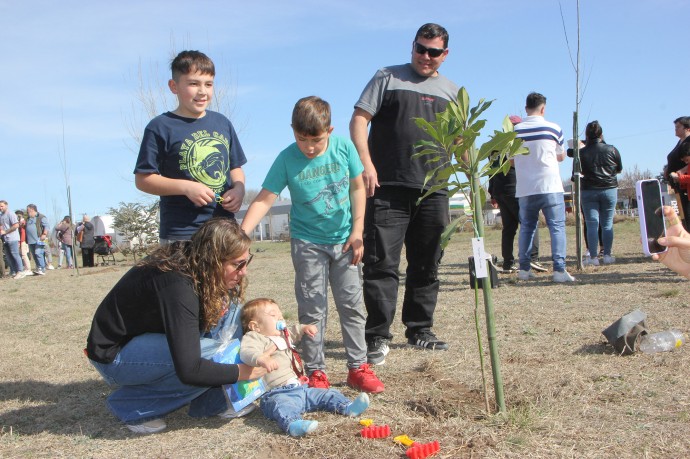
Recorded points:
(70,75)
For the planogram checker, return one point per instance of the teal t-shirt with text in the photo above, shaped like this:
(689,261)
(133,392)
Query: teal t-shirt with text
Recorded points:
(319,189)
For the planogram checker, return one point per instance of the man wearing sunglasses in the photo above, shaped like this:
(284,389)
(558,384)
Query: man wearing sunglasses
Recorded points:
(394,182)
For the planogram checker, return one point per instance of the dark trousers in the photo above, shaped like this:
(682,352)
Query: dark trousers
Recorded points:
(510,219)
(87,257)
(686,209)
(2,259)
(392,219)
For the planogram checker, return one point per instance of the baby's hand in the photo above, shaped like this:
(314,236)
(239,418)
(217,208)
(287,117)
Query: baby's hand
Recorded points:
(267,362)
(310,330)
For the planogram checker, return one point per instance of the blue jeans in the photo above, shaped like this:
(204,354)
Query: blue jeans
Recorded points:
(38,254)
(287,403)
(147,386)
(553,208)
(317,266)
(599,207)
(13,257)
(68,253)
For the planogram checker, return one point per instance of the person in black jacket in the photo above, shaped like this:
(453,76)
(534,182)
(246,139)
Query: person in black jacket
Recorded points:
(600,164)
(674,164)
(155,333)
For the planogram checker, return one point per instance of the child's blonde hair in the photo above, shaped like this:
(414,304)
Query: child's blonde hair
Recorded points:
(311,116)
(250,309)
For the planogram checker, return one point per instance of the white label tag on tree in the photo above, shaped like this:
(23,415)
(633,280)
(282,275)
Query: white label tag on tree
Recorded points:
(479,257)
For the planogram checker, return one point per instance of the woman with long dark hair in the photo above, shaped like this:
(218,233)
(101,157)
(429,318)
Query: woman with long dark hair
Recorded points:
(153,336)
(600,165)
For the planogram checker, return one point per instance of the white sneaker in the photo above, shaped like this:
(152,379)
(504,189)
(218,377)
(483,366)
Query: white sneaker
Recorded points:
(609,259)
(19,275)
(526,275)
(51,267)
(562,276)
(230,413)
(148,427)
(589,261)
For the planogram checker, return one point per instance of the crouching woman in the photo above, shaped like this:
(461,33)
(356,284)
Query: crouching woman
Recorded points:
(153,336)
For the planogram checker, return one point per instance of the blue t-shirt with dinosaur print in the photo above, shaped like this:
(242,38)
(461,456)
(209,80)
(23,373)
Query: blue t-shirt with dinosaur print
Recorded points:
(319,189)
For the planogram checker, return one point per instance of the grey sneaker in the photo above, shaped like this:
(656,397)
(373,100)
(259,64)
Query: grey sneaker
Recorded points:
(526,275)
(427,340)
(589,261)
(148,427)
(562,276)
(377,350)
(609,259)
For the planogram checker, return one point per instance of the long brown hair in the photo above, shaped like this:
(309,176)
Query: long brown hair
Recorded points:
(217,241)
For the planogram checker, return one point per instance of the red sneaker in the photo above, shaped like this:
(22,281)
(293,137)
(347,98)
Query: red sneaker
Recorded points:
(318,379)
(364,379)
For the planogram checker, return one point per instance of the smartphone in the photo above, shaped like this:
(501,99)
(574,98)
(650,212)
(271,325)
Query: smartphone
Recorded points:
(651,215)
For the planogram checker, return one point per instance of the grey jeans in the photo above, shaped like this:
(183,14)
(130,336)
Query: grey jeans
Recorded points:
(317,265)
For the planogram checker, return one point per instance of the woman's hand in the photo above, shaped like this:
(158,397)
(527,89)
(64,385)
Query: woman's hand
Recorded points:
(677,257)
(248,373)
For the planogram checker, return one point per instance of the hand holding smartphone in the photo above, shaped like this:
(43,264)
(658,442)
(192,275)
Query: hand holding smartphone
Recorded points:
(651,215)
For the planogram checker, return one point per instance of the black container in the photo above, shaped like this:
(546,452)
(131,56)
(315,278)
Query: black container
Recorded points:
(493,273)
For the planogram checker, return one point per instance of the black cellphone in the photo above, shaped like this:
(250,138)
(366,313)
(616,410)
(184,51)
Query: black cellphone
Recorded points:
(651,215)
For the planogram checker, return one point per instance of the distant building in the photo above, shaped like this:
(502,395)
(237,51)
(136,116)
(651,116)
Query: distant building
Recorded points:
(275,226)
(103,225)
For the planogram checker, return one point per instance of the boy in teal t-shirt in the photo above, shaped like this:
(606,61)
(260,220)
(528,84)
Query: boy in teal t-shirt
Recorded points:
(324,176)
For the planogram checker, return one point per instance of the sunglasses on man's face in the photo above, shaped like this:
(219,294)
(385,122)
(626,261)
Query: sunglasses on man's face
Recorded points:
(433,52)
(244,263)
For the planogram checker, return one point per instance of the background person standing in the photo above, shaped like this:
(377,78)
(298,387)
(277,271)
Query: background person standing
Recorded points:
(36,236)
(600,165)
(87,243)
(9,230)
(674,163)
(539,186)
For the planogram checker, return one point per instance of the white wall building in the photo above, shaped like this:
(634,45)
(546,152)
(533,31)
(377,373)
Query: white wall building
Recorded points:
(275,226)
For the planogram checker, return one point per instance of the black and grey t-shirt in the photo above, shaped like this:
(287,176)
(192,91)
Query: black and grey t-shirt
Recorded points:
(394,97)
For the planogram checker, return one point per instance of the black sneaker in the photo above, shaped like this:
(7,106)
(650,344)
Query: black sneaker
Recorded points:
(538,266)
(427,340)
(377,350)
(510,269)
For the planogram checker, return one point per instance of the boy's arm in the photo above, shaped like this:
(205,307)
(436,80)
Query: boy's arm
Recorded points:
(358,200)
(198,193)
(232,199)
(258,208)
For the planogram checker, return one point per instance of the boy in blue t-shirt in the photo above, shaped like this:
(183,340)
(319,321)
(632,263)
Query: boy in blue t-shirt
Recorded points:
(191,157)
(324,176)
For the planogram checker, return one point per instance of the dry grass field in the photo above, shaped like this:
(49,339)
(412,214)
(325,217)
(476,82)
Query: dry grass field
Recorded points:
(567,393)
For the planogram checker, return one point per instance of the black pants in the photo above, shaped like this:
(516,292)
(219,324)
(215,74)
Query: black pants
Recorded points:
(87,257)
(392,219)
(686,209)
(510,219)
